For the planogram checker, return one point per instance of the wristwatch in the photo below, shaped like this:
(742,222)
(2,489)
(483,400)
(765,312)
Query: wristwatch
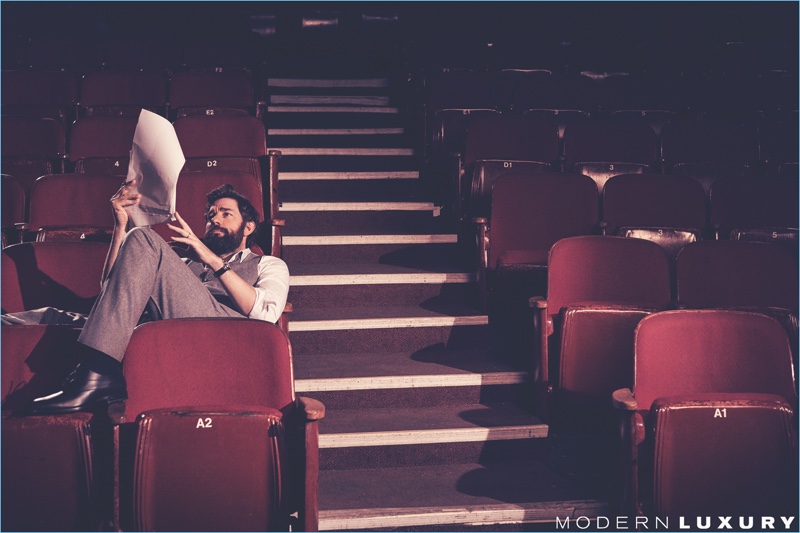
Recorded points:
(224,268)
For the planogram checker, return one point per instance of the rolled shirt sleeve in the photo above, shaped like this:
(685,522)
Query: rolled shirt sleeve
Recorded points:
(272,289)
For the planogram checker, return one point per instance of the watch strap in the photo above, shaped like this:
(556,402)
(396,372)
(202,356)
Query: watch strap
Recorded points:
(224,268)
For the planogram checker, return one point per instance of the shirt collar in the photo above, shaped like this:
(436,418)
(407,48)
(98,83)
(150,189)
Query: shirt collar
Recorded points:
(239,256)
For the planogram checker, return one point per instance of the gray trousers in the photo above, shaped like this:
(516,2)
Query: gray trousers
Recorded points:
(147,275)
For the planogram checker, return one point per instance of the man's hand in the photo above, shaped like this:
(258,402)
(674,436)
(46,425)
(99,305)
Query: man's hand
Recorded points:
(185,235)
(126,196)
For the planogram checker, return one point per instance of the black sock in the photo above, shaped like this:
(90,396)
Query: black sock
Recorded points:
(97,361)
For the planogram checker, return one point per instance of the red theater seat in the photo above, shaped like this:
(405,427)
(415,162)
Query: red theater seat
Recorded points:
(14,206)
(221,91)
(763,210)
(497,144)
(231,142)
(598,290)
(531,211)
(123,92)
(449,98)
(40,93)
(669,210)
(72,207)
(709,149)
(194,185)
(32,147)
(65,275)
(188,406)
(602,149)
(54,475)
(711,389)
(102,144)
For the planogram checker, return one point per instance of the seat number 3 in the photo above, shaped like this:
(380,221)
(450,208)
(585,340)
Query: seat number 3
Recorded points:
(204,423)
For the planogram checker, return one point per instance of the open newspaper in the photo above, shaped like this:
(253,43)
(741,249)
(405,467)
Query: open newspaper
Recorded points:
(156,161)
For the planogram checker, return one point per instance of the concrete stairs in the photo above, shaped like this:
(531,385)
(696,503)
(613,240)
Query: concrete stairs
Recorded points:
(425,426)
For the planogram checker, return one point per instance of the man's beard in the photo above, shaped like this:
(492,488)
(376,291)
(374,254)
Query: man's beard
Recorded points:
(223,244)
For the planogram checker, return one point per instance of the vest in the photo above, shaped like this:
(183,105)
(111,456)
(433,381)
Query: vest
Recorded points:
(247,269)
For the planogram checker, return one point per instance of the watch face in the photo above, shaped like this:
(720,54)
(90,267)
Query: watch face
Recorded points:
(225,267)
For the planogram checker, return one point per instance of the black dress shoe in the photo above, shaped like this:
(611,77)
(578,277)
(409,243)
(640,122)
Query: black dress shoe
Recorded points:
(82,390)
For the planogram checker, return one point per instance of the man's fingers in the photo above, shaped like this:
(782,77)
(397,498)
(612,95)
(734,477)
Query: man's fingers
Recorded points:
(183,222)
(183,232)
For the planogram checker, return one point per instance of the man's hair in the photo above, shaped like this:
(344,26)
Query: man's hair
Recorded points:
(246,208)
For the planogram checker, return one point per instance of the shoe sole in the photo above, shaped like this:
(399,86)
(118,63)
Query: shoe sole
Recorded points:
(108,399)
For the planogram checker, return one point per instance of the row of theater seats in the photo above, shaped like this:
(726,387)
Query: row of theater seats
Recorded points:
(473,148)
(768,96)
(591,91)
(720,361)
(531,211)
(710,383)
(445,95)
(68,207)
(33,147)
(95,52)
(64,95)
(200,444)
(494,144)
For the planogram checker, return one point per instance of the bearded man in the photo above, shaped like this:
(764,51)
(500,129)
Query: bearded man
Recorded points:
(144,279)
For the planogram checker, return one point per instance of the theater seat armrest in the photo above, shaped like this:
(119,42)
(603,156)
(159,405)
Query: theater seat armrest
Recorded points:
(116,413)
(482,243)
(544,321)
(313,409)
(623,400)
(537,302)
(261,108)
(277,222)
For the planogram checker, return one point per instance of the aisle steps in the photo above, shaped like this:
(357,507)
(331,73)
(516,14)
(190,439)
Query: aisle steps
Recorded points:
(425,426)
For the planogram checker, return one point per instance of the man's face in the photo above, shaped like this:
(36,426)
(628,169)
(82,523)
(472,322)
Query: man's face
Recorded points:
(225,228)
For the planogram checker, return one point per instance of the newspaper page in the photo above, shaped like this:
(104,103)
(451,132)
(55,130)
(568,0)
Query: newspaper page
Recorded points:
(156,161)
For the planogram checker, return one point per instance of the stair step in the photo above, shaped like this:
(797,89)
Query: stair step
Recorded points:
(298,99)
(371,317)
(430,375)
(315,83)
(447,367)
(342,141)
(432,269)
(454,494)
(432,425)
(360,206)
(344,176)
(334,324)
(409,381)
(407,455)
(499,517)
(352,240)
(361,152)
(308,119)
(357,160)
(326,218)
(335,131)
(299,280)
(323,251)
(350,285)
(332,109)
